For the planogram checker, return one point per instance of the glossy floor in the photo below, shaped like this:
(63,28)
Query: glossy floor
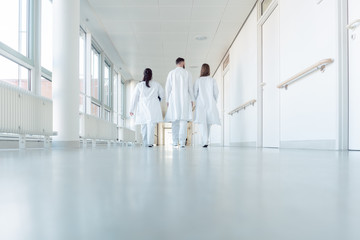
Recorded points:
(179,194)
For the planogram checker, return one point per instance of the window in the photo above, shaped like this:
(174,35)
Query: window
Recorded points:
(14,24)
(116,97)
(46,87)
(95,109)
(121,99)
(82,70)
(46,34)
(107,114)
(95,73)
(82,62)
(14,73)
(107,88)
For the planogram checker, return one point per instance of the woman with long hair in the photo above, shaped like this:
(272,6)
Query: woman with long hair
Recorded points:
(206,94)
(145,105)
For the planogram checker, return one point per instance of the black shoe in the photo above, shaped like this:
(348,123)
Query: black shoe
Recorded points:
(150,146)
(205,146)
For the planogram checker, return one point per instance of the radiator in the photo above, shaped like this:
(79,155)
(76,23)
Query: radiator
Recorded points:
(92,127)
(126,135)
(22,112)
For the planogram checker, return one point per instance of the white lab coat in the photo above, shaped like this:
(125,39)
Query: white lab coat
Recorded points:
(145,103)
(206,94)
(179,95)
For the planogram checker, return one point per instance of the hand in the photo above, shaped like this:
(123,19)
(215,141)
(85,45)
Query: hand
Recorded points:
(192,104)
(131,114)
(167,104)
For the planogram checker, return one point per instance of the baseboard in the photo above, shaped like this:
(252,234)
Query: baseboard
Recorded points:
(243,144)
(66,144)
(215,144)
(310,144)
(14,144)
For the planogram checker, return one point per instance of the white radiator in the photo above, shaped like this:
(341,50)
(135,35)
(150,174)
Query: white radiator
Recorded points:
(22,112)
(92,127)
(126,135)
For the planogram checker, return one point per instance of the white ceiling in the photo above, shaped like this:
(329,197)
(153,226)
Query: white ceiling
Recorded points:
(153,33)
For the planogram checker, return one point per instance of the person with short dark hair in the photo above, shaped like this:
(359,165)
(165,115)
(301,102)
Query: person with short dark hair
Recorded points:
(146,107)
(179,98)
(206,94)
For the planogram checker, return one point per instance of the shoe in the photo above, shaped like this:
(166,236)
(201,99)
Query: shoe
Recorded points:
(150,146)
(182,146)
(205,146)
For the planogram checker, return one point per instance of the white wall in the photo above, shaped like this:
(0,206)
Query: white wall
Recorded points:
(309,108)
(243,77)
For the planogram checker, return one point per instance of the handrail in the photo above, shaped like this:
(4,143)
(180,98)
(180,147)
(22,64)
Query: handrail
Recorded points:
(317,66)
(354,24)
(245,105)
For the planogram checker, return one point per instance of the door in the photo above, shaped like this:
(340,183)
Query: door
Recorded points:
(227,108)
(354,76)
(271,78)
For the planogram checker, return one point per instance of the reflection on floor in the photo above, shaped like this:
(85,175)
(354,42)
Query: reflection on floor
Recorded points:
(179,194)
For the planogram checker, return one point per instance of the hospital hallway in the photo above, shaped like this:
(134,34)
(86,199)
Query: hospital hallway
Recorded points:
(179,194)
(179,120)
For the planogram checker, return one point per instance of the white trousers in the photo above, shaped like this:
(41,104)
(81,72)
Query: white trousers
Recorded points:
(179,132)
(205,133)
(148,134)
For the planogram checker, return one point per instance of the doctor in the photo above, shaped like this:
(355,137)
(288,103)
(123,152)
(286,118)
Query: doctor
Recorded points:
(180,98)
(206,94)
(145,105)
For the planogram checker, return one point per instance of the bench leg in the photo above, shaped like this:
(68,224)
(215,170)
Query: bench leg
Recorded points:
(22,141)
(47,142)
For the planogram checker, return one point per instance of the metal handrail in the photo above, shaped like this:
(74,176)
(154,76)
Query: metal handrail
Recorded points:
(354,24)
(242,107)
(317,66)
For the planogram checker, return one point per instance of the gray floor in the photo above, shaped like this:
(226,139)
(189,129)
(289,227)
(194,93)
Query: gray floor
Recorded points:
(164,193)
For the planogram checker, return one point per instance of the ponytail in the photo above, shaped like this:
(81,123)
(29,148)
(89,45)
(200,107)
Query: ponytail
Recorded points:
(147,76)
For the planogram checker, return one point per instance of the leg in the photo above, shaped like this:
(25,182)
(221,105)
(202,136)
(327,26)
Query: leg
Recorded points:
(150,133)
(183,132)
(144,134)
(175,132)
(204,134)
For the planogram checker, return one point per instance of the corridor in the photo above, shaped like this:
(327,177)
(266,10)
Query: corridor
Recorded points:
(179,194)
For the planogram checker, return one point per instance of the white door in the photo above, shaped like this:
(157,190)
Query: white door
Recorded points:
(271,78)
(354,76)
(227,109)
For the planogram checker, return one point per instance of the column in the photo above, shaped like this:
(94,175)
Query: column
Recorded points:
(66,87)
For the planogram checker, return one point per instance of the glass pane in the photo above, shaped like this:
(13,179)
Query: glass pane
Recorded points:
(82,103)
(120,99)
(107,115)
(82,66)
(95,110)
(107,84)
(14,73)
(14,17)
(46,88)
(46,34)
(115,92)
(95,63)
